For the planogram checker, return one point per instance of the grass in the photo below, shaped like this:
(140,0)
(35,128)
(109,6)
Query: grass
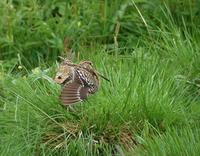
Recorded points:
(149,51)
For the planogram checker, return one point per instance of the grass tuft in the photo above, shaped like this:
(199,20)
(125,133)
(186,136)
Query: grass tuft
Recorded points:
(148,50)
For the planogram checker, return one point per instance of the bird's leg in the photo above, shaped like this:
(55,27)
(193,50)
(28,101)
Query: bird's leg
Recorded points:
(71,108)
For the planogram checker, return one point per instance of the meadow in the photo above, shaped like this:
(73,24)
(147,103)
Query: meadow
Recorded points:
(150,51)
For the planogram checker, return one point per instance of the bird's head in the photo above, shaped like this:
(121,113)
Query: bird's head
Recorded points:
(89,66)
(86,64)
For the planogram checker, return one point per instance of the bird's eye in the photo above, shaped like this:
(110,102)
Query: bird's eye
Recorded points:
(59,77)
(90,63)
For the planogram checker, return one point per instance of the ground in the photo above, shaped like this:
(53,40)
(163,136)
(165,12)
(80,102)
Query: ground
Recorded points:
(150,51)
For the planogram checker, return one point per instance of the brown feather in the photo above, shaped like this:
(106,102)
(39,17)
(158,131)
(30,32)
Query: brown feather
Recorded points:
(70,93)
(84,93)
(78,81)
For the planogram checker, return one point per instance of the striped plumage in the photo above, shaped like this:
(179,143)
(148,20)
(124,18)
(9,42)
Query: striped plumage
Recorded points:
(78,82)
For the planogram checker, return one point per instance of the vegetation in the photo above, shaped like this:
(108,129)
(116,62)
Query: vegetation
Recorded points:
(149,50)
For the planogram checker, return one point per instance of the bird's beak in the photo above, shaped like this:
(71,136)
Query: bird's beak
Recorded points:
(103,77)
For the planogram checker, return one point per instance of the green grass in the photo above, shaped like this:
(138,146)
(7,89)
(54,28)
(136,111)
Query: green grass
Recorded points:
(150,107)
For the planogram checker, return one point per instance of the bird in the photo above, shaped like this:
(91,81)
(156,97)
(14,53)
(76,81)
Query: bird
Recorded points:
(78,81)
(64,73)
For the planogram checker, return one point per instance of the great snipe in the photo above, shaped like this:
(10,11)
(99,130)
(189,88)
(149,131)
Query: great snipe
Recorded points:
(78,81)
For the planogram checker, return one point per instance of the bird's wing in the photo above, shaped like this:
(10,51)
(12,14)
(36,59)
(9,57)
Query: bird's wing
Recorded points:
(71,93)
(74,91)
(88,79)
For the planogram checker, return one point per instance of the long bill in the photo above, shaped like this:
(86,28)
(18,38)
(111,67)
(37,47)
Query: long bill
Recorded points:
(103,76)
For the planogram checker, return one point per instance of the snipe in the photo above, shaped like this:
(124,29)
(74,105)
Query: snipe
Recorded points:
(78,81)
